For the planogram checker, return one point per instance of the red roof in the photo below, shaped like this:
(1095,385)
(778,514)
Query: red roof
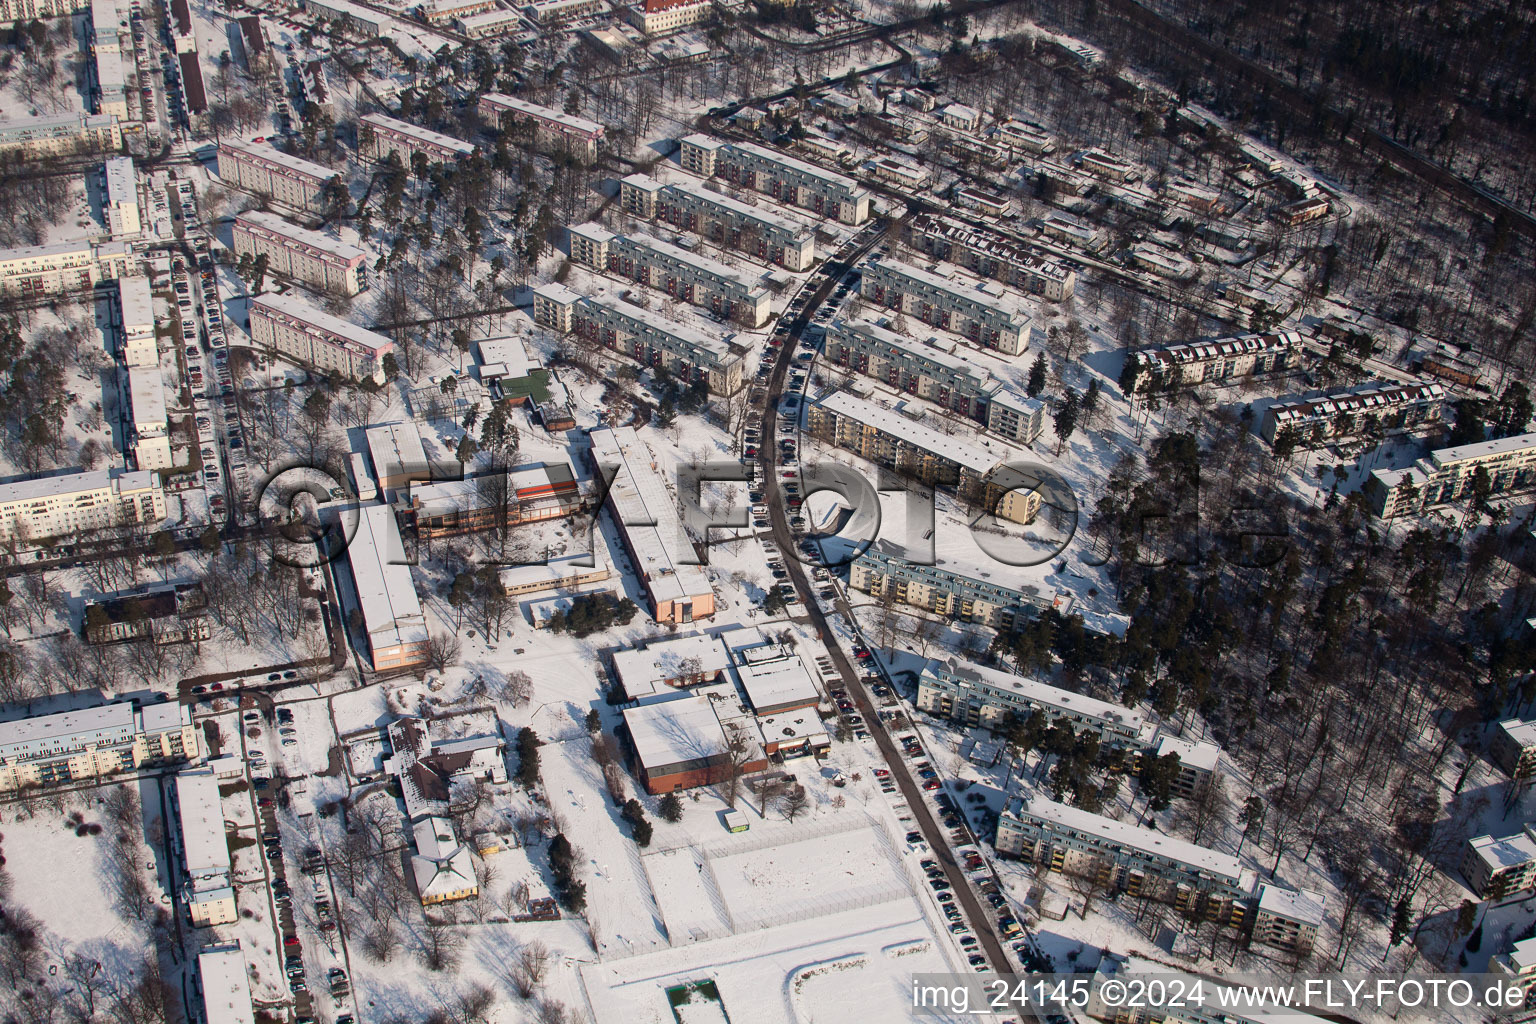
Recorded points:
(652,6)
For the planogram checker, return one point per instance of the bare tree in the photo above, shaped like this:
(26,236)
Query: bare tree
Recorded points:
(443,650)
(793,803)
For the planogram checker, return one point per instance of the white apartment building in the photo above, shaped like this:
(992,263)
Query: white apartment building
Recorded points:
(112,83)
(445,12)
(645,336)
(976,695)
(901,173)
(490,23)
(785,178)
(658,17)
(78,502)
(393,624)
(289,180)
(107,26)
(1505,466)
(379,137)
(936,372)
(960,117)
(992,254)
(982,311)
(1213,362)
(313,338)
(553,130)
(1031,139)
(558,12)
(1499,868)
(946,587)
(310,257)
(53,269)
(208,889)
(60,134)
(990,203)
(399,458)
(29,10)
(1350,411)
(225,982)
(136,321)
(1125,857)
(1288,919)
(124,219)
(151,438)
(726,291)
(361,20)
(728,223)
(93,743)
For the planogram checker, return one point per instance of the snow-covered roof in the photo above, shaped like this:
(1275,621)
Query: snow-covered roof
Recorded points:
(644,671)
(1499,853)
(415,133)
(1300,905)
(137,304)
(226,985)
(146,393)
(1032,690)
(773,677)
(65,730)
(1521,732)
(270,224)
(205,846)
(978,458)
(396,451)
(675,732)
(276,159)
(1201,756)
(385,594)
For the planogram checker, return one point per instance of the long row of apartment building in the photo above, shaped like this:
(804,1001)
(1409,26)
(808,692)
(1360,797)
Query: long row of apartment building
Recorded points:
(60,135)
(38,270)
(1214,362)
(726,291)
(1350,411)
(289,180)
(310,257)
(944,586)
(314,338)
(65,504)
(553,131)
(645,336)
(942,297)
(992,254)
(381,136)
(940,375)
(94,743)
(1503,466)
(727,222)
(785,178)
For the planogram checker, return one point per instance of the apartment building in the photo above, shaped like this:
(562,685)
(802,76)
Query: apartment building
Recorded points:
(989,203)
(728,223)
(136,322)
(1514,747)
(948,587)
(1028,138)
(38,270)
(224,981)
(658,17)
(313,338)
(170,614)
(150,437)
(290,181)
(1215,362)
(76,502)
(1126,858)
(207,890)
(94,743)
(992,254)
(1288,919)
(379,137)
(60,135)
(310,257)
(889,438)
(1101,165)
(785,178)
(1503,867)
(394,627)
(29,10)
(974,695)
(1349,412)
(726,291)
(111,84)
(936,372)
(446,12)
(552,130)
(982,311)
(647,337)
(677,587)
(1504,466)
(526,494)
(360,20)
(491,23)
(901,173)
(121,198)
(559,12)
(1518,963)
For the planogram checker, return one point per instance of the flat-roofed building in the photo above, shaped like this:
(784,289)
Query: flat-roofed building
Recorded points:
(1499,868)
(785,178)
(1518,962)
(379,137)
(901,173)
(151,435)
(724,290)
(564,572)
(728,223)
(490,23)
(1025,137)
(1101,165)
(525,494)
(208,889)
(685,742)
(61,135)
(66,504)
(39,270)
(658,17)
(1214,362)
(111,84)
(1514,747)
(550,129)
(949,587)
(774,677)
(311,257)
(445,12)
(983,312)
(1503,466)
(121,199)
(992,254)
(558,12)
(136,321)
(937,373)
(168,614)
(393,623)
(310,336)
(649,338)
(93,743)
(663,666)
(889,438)
(676,586)
(225,984)
(360,20)
(293,182)
(978,696)
(1348,412)
(1288,919)
(1128,858)
(399,458)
